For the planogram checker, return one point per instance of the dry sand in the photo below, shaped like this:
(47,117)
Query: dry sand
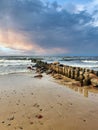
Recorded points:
(41,104)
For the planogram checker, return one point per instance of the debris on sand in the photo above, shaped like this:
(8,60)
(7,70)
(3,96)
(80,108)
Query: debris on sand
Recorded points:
(38,76)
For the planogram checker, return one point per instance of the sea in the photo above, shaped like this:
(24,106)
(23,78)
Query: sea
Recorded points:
(19,64)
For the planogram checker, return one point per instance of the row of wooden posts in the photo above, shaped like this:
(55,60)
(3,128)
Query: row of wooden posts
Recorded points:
(85,76)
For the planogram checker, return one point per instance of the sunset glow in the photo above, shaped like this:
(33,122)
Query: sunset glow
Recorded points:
(14,40)
(38,27)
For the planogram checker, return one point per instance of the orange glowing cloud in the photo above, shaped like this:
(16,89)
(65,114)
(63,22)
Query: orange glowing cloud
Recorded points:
(11,39)
(19,42)
(53,51)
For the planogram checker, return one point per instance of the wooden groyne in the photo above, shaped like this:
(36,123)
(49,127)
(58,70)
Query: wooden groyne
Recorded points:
(86,77)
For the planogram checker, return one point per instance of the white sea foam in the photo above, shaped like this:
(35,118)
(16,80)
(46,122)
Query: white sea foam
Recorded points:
(14,66)
(19,64)
(81,65)
(14,62)
(89,61)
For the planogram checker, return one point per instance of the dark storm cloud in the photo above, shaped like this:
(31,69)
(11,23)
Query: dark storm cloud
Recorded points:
(50,25)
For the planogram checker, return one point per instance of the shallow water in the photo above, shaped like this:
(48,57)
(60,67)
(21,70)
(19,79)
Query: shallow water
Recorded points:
(11,65)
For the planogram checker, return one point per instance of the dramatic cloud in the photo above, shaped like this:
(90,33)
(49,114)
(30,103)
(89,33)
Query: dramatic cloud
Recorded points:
(41,27)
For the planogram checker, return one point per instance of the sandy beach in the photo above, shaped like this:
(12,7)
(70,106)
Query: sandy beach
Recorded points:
(30,103)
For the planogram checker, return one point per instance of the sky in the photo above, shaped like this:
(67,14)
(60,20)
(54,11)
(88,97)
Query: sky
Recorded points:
(49,27)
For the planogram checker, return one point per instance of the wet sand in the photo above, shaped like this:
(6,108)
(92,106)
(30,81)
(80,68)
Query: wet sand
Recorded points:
(30,103)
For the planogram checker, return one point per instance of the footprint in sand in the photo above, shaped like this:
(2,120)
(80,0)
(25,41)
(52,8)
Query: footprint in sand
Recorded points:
(3,122)
(20,127)
(11,118)
(60,104)
(8,124)
(71,104)
(32,94)
(84,120)
(36,105)
(39,116)
(41,109)
(51,106)
(31,122)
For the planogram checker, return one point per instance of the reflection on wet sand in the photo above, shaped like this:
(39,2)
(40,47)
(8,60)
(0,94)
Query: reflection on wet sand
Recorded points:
(76,89)
(81,90)
(85,92)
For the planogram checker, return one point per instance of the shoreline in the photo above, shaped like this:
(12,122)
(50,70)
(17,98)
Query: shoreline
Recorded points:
(30,103)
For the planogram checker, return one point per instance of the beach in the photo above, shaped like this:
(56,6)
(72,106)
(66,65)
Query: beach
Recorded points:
(48,65)
(30,103)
